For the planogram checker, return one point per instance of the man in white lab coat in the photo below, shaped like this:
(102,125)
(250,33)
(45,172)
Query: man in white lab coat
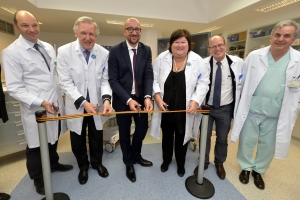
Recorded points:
(223,102)
(30,73)
(83,76)
(268,107)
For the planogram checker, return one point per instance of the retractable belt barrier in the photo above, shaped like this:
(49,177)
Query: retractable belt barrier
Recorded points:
(197,185)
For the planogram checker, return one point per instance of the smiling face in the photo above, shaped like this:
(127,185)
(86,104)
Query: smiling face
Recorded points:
(282,39)
(217,48)
(86,34)
(180,47)
(28,26)
(134,37)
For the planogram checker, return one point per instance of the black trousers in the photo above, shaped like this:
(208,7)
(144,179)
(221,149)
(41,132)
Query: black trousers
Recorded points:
(132,149)
(222,116)
(34,162)
(169,129)
(78,143)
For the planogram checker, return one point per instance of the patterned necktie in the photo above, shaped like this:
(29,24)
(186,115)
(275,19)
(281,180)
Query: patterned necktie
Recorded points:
(87,56)
(217,89)
(134,71)
(36,46)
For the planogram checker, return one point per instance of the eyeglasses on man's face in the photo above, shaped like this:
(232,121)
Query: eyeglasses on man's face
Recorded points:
(216,46)
(130,29)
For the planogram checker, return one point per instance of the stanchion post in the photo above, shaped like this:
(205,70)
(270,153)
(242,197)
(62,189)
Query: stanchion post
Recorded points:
(199,186)
(46,160)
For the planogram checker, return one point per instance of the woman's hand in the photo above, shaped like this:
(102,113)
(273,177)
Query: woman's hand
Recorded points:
(160,103)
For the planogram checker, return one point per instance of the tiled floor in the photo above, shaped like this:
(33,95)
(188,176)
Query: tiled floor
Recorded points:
(282,178)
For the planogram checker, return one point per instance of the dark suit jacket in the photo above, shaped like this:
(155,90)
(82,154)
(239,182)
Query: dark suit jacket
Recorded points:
(3,113)
(210,78)
(121,76)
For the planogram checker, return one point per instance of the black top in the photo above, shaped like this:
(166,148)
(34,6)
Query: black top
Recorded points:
(175,97)
(3,113)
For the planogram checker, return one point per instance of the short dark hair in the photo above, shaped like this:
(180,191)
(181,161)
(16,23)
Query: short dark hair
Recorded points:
(15,16)
(181,33)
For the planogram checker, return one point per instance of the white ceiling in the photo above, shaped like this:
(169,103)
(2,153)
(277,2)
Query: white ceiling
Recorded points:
(167,15)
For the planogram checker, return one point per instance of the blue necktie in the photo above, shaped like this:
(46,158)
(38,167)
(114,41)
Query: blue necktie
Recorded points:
(87,56)
(217,89)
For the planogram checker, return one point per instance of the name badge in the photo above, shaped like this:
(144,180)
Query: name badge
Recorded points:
(293,84)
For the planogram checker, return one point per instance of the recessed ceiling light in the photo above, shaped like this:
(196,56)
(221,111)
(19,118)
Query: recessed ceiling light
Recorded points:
(118,22)
(210,29)
(10,10)
(276,5)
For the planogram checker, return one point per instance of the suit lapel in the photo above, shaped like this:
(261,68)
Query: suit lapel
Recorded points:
(126,55)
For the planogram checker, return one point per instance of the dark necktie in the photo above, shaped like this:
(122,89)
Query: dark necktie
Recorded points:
(134,71)
(36,46)
(217,89)
(87,56)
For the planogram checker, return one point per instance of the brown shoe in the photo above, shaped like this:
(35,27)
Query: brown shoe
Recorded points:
(258,181)
(220,171)
(244,176)
(196,169)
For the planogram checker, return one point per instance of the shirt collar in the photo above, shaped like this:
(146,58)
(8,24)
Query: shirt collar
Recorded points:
(29,44)
(222,61)
(130,47)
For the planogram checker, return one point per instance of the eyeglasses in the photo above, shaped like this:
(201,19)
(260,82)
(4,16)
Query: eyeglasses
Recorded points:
(130,30)
(216,46)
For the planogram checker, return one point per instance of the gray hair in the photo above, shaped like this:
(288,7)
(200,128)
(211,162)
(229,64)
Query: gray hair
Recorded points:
(288,22)
(85,19)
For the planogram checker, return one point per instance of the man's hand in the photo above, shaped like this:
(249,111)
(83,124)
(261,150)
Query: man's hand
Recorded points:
(148,104)
(48,107)
(89,107)
(133,105)
(191,109)
(107,109)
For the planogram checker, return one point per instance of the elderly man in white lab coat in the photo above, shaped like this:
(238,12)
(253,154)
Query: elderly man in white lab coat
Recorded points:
(268,107)
(30,70)
(83,76)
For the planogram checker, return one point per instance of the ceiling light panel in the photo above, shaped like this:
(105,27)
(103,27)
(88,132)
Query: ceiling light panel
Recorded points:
(276,5)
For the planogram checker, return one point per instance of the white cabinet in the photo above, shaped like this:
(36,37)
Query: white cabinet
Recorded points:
(12,138)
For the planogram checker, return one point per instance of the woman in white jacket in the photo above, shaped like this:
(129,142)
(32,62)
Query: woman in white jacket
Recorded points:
(180,83)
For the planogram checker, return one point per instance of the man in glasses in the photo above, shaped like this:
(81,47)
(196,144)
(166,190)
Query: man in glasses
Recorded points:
(223,97)
(131,79)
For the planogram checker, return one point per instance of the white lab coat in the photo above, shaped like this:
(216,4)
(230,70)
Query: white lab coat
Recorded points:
(236,66)
(255,67)
(76,76)
(196,80)
(27,78)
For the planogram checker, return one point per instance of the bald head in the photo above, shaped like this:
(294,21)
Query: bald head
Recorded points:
(216,37)
(129,21)
(21,13)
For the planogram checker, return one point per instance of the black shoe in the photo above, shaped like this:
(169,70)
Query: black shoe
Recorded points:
(102,171)
(39,186)
(244,176)
(258,181)
(4,196)
(62,168)
(196,169)
(143,162)
(220,171)
(164,167)
(130,173)
(83,176)
(181,172)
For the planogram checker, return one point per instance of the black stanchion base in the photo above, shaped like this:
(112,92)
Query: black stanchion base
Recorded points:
(59,196)
(202,191)
(4,196)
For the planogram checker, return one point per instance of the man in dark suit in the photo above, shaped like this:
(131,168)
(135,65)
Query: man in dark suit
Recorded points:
(131,79)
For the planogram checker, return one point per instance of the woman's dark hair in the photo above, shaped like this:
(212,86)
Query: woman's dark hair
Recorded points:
(181,33)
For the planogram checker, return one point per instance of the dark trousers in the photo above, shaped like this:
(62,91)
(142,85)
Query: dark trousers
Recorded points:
(34,162)
(222,117)
(132,149)
(168,131)
(78,143)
